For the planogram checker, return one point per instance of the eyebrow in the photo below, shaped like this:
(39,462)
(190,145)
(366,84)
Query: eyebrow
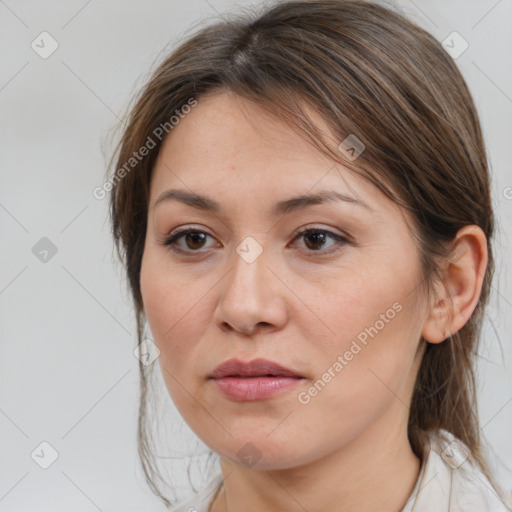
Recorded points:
(284,207)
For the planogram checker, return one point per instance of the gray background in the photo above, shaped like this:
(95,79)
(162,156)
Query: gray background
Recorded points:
(68,375)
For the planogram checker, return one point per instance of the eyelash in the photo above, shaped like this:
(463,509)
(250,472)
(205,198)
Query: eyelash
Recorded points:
(173,238)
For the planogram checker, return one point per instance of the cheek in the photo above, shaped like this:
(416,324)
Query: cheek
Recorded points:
(167,320)
(168,306)
(373,328)
(178,313)
(357,305)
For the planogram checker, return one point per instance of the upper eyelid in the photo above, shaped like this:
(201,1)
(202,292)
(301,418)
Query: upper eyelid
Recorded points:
(178,233)
(298,231)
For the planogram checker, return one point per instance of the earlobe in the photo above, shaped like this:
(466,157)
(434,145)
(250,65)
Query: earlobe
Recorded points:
(436,326)
(458,294)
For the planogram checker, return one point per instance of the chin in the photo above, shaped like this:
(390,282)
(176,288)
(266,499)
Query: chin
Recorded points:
(264,453)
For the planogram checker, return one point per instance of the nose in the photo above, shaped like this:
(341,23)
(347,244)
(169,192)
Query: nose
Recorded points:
(252,297)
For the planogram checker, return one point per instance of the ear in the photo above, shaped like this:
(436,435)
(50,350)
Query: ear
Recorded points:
(457,296)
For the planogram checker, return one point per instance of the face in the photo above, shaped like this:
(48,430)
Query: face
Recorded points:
(329,290)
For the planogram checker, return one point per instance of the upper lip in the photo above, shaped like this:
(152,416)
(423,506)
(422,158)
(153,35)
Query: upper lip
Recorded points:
(256,367)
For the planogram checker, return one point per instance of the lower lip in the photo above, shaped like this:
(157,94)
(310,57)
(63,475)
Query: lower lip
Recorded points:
(245,389)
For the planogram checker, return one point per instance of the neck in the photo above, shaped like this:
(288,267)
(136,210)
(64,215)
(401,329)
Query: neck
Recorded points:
(376,471)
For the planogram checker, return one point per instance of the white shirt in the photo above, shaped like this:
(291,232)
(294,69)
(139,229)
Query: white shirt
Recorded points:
(448,482)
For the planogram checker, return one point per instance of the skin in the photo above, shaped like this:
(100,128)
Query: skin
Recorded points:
(347,449)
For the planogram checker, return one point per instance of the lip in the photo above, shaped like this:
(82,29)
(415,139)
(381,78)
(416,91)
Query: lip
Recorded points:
(254,380)
(255,368)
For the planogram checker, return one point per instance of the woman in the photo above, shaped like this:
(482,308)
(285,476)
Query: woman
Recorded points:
(302,205)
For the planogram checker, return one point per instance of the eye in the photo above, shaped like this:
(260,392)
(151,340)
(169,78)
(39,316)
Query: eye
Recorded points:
(194,240)
(317,238)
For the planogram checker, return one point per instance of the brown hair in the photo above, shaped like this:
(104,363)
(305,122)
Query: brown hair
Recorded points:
(371,73)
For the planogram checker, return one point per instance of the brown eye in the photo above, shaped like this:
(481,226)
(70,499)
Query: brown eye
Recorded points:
(193,239)
(315,239)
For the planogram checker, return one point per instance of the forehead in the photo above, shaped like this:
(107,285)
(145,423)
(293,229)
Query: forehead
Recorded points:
(225,128)
(229,147)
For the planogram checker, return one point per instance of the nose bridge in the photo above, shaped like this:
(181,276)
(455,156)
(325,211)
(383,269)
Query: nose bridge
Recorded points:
(249,297)
(249,264)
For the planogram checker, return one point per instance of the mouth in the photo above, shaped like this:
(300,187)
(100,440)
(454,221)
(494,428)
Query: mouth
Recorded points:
(255,380)
(254,368)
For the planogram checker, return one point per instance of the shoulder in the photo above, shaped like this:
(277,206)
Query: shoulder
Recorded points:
(200,502)
(452,481)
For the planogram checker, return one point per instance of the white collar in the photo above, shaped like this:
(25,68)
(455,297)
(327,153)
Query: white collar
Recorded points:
(450,481)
